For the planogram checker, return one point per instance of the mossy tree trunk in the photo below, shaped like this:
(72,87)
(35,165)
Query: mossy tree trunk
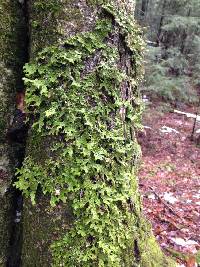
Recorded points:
(82,155)
(12,47)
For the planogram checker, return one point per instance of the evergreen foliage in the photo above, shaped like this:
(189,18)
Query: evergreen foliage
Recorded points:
(173,32)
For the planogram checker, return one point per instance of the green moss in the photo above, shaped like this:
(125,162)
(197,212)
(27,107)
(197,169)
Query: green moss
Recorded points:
(152,255)
(5,225)
(55,221)
(65,18)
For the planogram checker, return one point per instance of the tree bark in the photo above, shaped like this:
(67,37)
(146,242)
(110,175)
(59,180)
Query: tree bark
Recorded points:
(161,22)
(144,8)
(43,225)
(12,47)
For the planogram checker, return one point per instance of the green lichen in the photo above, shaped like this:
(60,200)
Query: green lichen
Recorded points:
(85,122)
(92,165)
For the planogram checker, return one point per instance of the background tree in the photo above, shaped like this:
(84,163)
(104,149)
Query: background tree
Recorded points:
(173,32)
(82,155)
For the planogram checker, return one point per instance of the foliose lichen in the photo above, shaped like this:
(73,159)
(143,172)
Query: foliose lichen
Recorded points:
(91,153)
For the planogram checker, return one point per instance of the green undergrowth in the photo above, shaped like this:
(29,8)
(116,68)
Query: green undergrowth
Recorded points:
(92,153)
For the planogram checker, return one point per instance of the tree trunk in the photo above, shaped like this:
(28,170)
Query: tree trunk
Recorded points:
(12,47)
(161,22)
(184,35)
(81,152)
(144,7)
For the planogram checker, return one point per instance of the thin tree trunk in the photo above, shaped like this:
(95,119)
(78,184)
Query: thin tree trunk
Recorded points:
(185,35)
(161,21)
(144,8)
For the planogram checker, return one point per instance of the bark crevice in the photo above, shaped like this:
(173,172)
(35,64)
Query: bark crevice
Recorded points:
(16,137)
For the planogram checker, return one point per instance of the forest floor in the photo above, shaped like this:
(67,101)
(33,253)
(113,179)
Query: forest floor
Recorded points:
(170,182)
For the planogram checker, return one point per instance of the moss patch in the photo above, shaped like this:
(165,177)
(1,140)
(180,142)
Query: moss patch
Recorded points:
(55,221)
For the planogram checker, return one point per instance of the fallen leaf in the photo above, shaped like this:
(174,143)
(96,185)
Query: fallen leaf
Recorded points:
(191,262)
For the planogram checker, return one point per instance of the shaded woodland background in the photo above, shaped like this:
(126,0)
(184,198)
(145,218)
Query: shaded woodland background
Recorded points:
(172,30)
(170,171)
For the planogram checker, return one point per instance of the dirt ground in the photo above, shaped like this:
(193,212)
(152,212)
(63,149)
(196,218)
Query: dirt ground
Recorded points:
(170,181)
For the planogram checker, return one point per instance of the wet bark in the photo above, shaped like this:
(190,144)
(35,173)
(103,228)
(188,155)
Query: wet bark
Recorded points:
(12,57)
